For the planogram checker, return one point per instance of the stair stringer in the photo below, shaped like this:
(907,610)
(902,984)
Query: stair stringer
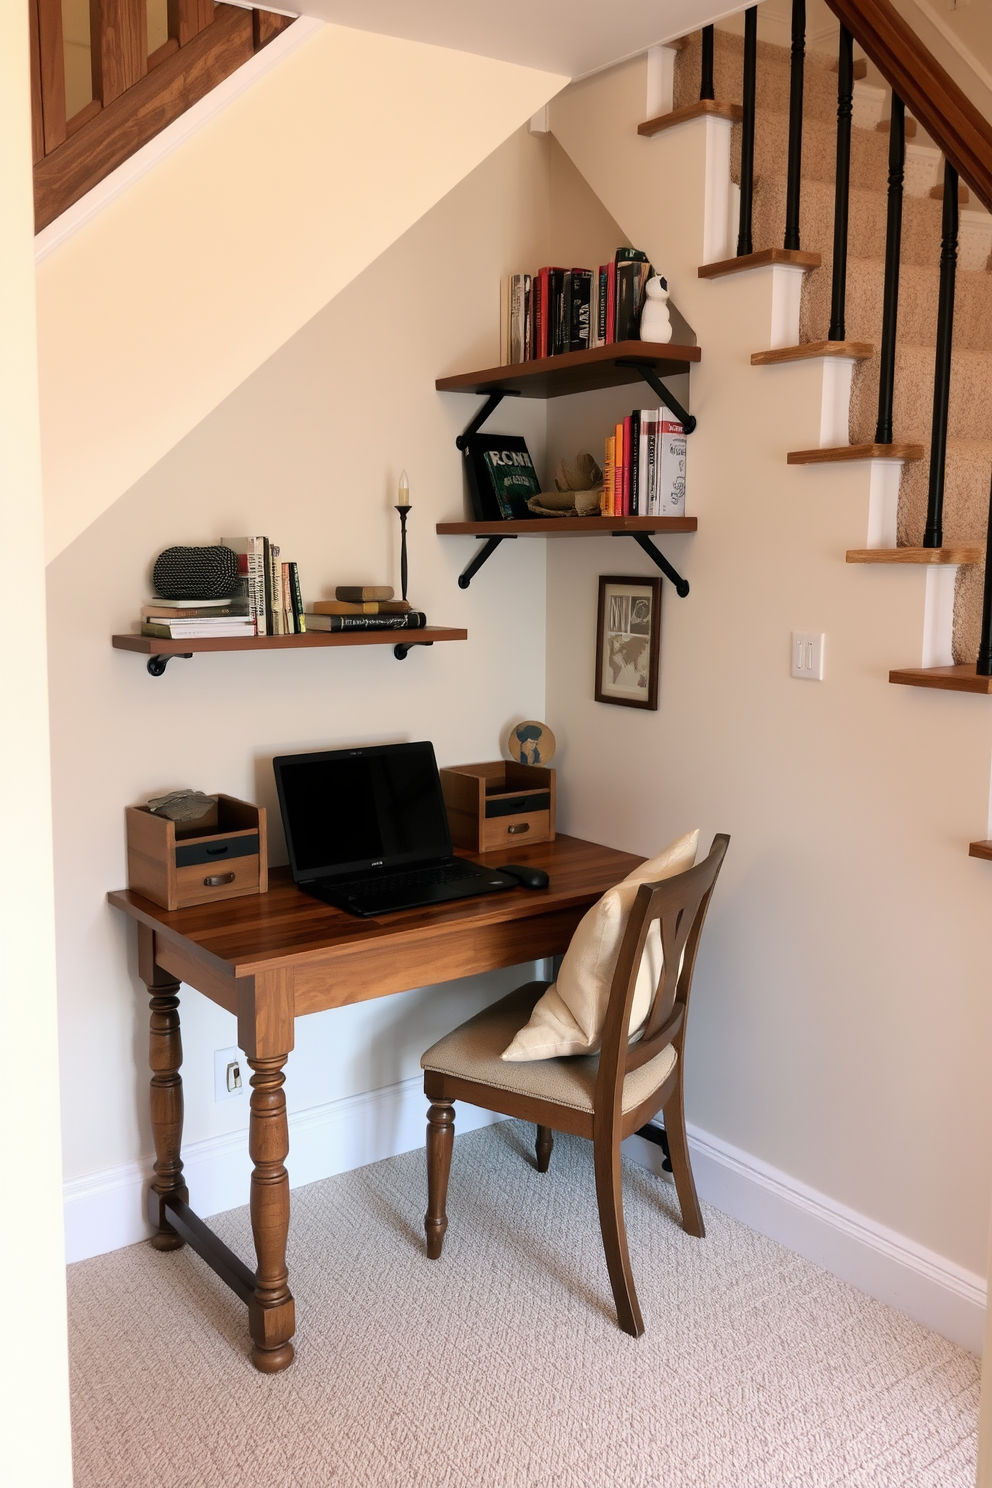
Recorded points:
(673,196)
(162,304)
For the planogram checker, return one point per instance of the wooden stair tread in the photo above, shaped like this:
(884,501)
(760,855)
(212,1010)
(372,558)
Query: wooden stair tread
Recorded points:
(937,193)
(981,849)
(858,351)
(855,452)
(947,678)
(961,553)
(797,257)
(860,67)
(705,108)
(884,126)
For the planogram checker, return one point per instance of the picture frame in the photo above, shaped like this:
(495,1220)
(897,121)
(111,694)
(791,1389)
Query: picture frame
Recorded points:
(628,641)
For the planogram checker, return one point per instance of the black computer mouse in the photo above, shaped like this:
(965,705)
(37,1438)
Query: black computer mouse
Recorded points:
(530,878)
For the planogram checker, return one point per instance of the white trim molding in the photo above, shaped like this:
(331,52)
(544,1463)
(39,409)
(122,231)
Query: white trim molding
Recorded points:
(105,1210)
(173,135)
(886,1265)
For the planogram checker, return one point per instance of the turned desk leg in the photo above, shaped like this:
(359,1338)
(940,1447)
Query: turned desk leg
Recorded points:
(165,1055)
(271,1312)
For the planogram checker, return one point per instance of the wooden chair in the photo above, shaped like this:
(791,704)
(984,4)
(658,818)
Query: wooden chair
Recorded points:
(605,1097)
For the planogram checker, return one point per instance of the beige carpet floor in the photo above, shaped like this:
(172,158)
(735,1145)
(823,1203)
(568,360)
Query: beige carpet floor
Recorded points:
(502,1363)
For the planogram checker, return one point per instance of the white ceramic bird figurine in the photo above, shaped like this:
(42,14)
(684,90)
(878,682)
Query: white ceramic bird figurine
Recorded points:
(656,324)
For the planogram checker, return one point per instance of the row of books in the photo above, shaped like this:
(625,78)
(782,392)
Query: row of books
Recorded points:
(355,607)
(558,310)
(644,468)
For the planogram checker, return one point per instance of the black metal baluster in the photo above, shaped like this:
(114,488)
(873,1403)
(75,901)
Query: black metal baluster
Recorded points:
(890,291)
(706,81)
(842,187)
(984,664)
(744,239)
(795,124)
(934,534)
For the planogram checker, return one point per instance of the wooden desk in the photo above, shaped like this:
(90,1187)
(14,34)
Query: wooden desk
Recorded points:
(270,958)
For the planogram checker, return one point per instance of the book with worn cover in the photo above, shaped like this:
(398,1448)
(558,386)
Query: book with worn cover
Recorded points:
(251,567)
(633,508)
(297,597)
(187,630)
(194,611)
(577,308)
(359,593)
(369,607)
(501,477)
(412,620)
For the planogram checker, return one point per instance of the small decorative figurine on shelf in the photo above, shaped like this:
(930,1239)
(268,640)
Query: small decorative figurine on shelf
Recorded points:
(656,323)
(403,507)
(530,743)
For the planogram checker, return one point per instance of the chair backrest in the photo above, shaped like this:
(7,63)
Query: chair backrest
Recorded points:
(679,906)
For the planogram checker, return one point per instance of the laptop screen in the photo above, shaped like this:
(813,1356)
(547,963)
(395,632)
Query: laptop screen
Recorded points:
(346,811)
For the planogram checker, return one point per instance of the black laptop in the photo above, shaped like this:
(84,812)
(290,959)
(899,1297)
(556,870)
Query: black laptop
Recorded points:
(367,830)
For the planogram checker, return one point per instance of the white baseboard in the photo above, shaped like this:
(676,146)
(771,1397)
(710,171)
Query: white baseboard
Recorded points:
(926,1286)
(105,1210)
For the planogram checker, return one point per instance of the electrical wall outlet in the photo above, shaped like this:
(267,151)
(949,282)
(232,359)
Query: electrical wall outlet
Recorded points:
(807,656)
(230,1074)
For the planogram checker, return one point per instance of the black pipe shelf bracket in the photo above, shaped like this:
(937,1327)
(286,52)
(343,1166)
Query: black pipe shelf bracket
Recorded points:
(644,541)
(654,382)
(158,664)
(493,399)
(482,556)
(402,648)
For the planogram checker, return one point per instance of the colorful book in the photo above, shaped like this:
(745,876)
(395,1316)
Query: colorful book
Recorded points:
(633,505)
(359,593)
(671,467)
(412,620)
(289,624)
(606,498)
(627,436)
(616,506)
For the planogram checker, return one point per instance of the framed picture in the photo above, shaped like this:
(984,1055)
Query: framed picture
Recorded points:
(628,641)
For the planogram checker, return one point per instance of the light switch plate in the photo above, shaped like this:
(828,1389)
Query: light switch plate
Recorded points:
(807,656)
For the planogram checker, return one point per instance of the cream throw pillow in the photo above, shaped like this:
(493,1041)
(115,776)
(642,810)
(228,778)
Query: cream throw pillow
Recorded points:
(569,1018)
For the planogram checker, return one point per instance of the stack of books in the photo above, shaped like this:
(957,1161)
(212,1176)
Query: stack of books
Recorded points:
(190,619)
(644,467)
(268,600)
(364,607)
(559,310)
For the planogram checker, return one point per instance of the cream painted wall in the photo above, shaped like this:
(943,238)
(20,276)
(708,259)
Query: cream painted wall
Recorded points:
(157,309)
(841,1021)
(308,450)
(34,1401)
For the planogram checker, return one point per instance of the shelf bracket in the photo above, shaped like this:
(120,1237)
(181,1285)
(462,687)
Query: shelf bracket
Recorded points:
(656,385)
(402,648)
(158,664)
(483,554)
(493,400)
(643,541)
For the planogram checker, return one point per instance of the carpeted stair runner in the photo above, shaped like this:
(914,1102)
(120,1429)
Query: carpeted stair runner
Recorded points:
(969,449)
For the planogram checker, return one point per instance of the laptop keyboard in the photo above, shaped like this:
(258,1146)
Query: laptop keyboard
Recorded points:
(389,884)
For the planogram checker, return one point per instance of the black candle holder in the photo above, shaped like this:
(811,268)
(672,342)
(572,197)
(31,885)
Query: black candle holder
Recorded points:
(403,511)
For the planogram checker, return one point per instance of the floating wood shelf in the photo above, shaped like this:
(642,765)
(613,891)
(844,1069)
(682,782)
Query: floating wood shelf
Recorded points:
(855,452)
(948,678)
(858,351)
(706,108)
(575,371)
(797,257)
(567,526)
(160,651)
(949,555)
(981,849)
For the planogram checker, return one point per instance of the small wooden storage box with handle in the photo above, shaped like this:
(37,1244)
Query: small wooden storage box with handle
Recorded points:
(176,870)
(494,806)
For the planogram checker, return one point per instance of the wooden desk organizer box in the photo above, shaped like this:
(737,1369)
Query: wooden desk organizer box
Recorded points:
(492,806)
(176,866)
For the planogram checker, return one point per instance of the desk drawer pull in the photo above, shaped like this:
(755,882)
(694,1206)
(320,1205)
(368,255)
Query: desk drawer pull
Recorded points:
(518,827)
(214,880)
